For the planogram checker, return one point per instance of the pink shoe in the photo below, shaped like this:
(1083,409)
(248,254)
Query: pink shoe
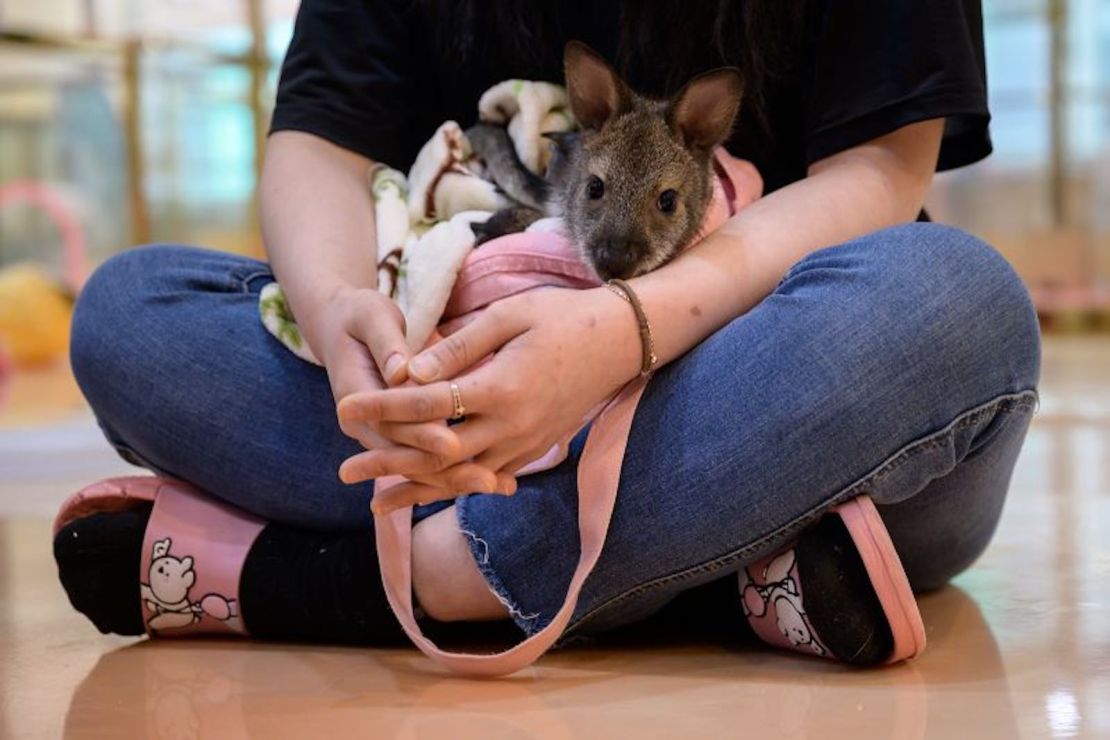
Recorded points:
(774,598)
(193,552)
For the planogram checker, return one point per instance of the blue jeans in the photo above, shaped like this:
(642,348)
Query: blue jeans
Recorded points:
(902,364)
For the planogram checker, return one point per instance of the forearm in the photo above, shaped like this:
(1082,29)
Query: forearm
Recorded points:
(317,222)
(728,273)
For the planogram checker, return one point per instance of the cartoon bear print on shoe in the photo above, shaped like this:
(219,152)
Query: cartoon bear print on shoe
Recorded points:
(776,586)
(166,594)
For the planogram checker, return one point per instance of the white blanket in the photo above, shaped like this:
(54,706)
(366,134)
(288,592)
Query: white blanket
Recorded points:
(423,220)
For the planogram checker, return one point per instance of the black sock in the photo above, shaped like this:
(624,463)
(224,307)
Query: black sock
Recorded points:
(316,587)
(98,559)
(296,585)
(841,603)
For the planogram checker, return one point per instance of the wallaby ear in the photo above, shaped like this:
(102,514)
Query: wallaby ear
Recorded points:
(596,91)
(704,110)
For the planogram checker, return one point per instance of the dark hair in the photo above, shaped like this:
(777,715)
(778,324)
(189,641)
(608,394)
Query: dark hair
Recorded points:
(663,43)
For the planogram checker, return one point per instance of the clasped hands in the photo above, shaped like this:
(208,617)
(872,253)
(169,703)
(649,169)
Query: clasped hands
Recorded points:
(528,369)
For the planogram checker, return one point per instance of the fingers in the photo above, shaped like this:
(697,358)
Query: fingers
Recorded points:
(430,436)
(509,458)
(473,436)
(459,351)
(506,483)
(410,463)
(512,467)
(384,335)
(424,403)
(421,403)
(351,369)
(437,488)
(408,493)
(468,477)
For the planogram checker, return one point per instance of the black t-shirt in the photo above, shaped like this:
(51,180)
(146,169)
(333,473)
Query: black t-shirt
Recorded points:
(368,76)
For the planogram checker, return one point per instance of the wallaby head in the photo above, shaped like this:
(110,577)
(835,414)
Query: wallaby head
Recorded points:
(636,184)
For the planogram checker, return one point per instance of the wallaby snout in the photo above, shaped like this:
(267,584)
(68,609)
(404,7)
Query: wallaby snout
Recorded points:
(616,256)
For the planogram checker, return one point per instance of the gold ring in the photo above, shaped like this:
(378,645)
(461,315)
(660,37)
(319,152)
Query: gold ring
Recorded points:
(459,411)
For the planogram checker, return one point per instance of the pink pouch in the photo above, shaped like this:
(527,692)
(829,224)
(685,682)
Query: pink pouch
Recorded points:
(505,267)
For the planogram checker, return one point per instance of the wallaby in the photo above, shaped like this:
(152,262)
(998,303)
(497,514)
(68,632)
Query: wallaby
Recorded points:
(633,183)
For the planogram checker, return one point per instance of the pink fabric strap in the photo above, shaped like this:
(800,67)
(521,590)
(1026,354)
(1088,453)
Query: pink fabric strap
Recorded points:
(598,478)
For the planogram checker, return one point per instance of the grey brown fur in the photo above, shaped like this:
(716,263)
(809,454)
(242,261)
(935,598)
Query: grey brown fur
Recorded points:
(638,148)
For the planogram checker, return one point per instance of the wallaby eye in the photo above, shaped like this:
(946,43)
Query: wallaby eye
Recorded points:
(668,201)
(595,188)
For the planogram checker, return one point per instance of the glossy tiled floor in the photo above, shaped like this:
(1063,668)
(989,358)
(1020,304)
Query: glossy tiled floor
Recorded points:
(1019,646)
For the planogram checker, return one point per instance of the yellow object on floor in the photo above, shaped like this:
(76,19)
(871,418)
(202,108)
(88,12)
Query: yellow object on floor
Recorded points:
(35,311)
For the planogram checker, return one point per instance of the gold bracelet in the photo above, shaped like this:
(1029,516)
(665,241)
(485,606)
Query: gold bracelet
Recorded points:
(647,344)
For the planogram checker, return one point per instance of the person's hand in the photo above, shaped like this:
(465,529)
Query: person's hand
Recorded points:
(361,341)
(556,355)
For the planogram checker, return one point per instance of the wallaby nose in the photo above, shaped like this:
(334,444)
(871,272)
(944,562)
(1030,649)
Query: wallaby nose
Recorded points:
(613,258)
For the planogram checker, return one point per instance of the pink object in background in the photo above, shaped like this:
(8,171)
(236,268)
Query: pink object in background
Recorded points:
(57,206)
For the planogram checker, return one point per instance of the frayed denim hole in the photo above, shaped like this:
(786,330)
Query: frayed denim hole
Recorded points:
(479,550)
